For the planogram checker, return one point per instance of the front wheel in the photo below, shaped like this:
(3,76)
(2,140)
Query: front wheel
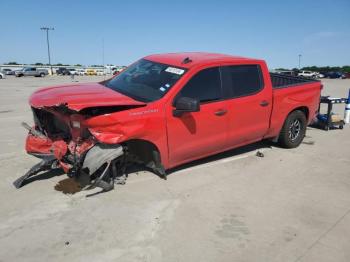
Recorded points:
(293,130)
(42,74)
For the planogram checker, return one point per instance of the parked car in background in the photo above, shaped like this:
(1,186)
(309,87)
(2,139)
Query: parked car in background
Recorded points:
(72,71)
(334,75)
(2,75)
(81,72)
(347,75)
(31,71)
(309,74)
(91,72)
(100,72)
(62,71)
(116,72)
(287,72)
(7,71)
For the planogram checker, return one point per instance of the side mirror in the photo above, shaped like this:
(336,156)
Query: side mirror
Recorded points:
(185,104)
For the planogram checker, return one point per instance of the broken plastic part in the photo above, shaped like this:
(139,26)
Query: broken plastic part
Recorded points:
(101,154)
(33,131)
(45,164)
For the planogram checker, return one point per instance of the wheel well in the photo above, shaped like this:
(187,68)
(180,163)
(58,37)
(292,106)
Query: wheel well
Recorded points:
(303,109)
(146,152)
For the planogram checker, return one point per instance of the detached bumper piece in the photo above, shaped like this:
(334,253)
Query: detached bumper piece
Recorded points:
(47,163)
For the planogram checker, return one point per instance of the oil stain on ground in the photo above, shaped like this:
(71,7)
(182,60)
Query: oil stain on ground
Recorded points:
(232,227)
(68,186)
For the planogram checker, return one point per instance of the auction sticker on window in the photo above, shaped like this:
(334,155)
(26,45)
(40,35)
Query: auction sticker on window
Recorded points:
(174,70)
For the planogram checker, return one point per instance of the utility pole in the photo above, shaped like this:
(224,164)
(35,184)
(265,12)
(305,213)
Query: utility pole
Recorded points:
(48,43)
(299,61)
(103,59)
(103,51)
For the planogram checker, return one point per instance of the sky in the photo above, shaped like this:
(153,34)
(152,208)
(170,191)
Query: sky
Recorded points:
(277,31)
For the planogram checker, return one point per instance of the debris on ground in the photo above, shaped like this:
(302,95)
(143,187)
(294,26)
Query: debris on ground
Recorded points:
(260,154)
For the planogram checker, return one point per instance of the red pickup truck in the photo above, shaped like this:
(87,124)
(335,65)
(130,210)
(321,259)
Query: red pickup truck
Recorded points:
(165,110)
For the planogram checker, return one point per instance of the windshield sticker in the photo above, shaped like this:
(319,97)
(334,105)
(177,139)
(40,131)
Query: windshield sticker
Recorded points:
(174,70)
(162,89)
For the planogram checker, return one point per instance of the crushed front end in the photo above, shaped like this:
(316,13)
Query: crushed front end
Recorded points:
(61,139)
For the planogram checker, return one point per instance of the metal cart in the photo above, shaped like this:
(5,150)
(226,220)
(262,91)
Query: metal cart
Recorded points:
(325,120)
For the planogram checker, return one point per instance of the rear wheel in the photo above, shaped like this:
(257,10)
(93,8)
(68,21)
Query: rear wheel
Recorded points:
(293,130)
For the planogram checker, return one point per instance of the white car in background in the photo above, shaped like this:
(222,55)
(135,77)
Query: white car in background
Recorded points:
(308,74)
(2,75)
(81,72)
(100,72)
(72,71)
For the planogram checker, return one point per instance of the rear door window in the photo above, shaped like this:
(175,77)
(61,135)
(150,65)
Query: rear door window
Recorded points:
(242,80)
(205,86)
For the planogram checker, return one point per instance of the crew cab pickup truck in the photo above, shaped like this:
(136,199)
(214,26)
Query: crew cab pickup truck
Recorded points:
(165,110)
(31,71)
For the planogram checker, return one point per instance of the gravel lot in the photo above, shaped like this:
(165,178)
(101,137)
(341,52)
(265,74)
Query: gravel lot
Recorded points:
(291,205)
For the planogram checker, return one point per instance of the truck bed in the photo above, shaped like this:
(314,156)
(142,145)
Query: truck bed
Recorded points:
(282,81)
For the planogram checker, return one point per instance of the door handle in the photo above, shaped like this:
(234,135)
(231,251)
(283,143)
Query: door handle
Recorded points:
(221,112)
(264,103)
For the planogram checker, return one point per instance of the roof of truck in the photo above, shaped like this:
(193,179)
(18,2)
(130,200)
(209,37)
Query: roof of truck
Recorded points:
(197,58)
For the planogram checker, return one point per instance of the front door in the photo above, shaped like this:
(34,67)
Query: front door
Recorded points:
(198,134)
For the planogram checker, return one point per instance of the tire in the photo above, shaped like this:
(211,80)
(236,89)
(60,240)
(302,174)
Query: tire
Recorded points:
(42,74)
(293,130)
(0,76)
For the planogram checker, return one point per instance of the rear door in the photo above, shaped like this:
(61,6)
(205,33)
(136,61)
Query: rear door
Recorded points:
(198,134)
(249,103)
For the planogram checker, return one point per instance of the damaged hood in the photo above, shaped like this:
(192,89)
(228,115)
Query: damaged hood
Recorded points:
(79,96)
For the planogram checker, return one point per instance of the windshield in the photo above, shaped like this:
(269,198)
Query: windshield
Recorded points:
(145,80)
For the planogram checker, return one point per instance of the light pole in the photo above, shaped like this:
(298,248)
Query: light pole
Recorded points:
(48,43)
(299,60)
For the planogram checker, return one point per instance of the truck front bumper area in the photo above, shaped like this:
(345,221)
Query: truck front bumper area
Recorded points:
(90,163)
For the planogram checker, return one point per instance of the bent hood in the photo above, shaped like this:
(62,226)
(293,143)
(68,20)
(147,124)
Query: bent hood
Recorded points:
(79,96)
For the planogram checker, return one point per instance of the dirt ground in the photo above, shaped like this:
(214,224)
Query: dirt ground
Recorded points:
(290,205)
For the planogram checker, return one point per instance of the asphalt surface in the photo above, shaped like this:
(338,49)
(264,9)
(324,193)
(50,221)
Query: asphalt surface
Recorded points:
(290,205)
